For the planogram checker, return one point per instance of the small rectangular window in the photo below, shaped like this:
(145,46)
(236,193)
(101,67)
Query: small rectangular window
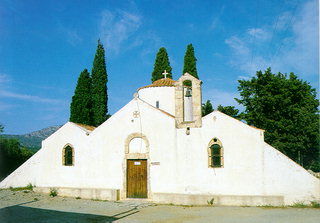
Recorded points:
(157,104)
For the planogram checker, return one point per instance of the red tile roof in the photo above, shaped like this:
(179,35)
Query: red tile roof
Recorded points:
(164,82)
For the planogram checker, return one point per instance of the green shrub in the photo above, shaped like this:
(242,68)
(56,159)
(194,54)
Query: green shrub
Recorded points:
(53,192)
(315,204)
(28,187)
(299,205)
(210,202)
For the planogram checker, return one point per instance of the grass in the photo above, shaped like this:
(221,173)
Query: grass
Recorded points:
(299,204)
(99,200)
(28,187)
(313,204)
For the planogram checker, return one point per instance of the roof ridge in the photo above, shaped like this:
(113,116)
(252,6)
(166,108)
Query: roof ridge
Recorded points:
(163,82)
(166,113)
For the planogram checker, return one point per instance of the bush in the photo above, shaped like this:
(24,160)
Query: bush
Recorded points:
(315,204)
(28,187)
(53,192)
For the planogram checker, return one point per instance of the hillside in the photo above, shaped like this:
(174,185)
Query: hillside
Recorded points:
(33,140)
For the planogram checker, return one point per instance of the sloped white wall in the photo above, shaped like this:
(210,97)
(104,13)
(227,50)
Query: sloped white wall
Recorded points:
(164,95)
(242,159)
(178,163)
(45,167)
(285,177)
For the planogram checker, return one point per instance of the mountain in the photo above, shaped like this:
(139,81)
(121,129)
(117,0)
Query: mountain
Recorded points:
(33,140)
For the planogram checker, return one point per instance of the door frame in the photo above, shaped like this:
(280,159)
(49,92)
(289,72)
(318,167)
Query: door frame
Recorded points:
(132,156)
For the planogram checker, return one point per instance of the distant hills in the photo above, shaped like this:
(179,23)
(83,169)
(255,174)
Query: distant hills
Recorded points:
(33,140)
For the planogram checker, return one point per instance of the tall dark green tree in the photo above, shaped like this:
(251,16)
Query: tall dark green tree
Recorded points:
(161,64)
(190,62)
(206,108)
(99,87)
(287,108)
(230,110)
(81,105)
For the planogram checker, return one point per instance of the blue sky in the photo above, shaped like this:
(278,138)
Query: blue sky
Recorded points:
(44,45)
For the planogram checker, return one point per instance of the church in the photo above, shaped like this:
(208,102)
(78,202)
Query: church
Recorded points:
(159,148)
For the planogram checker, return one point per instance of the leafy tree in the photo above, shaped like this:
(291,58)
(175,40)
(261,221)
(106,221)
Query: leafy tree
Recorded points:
(287,109)
(190,62)
(1,128)
(207,108)
(11,155)
(230,110)
(161,64)
(99,87)
(81,105)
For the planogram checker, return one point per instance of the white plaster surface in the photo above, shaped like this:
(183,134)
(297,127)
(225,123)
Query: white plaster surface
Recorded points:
(251,167)
(137,145)
(162,94)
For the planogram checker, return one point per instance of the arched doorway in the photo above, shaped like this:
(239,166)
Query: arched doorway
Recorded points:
(136,169)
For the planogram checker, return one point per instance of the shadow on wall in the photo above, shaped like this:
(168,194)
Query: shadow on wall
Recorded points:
(19,213)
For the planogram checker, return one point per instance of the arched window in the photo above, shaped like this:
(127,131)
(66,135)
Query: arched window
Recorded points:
(215,153)
(68,156)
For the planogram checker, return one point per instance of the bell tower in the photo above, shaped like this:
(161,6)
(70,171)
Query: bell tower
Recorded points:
(188,101)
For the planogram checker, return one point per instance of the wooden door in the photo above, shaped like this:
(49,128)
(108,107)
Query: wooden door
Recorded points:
(137,178)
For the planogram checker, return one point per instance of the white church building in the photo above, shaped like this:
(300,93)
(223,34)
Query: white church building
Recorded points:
(158,147)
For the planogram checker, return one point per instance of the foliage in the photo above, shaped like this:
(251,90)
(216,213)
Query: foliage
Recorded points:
(206,108)
(230,110)
(161,64)
(299,204)
(1,128)
(53,192)
(28,187)
(81,105)
(287,109)
(12,155)
(315,204)
(190,62)
(99,87)
(210,202)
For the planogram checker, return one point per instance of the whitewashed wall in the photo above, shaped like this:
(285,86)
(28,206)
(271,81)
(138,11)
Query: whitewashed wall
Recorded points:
(165,96)
(251,167)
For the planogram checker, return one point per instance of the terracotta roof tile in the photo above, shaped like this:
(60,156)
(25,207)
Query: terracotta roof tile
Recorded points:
(87,127)
(164,82)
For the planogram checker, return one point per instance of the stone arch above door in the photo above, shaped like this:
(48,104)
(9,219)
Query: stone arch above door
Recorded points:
(134,136)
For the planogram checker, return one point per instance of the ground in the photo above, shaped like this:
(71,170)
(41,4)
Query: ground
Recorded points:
(27,206)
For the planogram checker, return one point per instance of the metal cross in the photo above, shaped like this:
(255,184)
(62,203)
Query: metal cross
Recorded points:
(165,73)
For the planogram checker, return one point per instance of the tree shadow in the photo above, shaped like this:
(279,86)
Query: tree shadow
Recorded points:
(24,214)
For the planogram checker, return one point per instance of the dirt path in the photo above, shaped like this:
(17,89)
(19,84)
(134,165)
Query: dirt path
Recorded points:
(27,207)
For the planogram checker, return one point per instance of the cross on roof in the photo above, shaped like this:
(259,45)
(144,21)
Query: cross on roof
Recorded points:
(165,73)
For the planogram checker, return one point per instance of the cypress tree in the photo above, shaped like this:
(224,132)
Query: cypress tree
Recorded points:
(206,108)
(80,108)
(190,62)
(161,64)
(99,87)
